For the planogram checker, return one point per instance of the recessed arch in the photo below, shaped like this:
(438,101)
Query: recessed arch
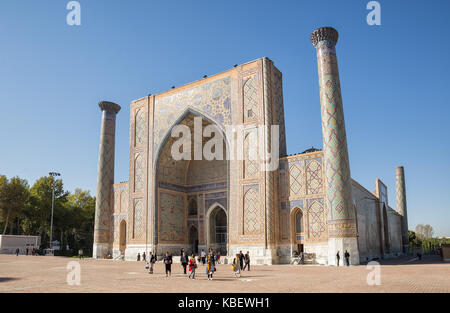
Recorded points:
(183,169)
(122,236)
(192,207)
(193,238)
(217,226)
(297,224)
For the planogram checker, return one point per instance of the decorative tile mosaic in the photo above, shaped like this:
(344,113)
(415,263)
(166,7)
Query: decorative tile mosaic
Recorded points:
(172,217)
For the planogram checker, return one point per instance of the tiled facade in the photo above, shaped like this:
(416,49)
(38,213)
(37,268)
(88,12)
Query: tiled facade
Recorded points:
(171,204)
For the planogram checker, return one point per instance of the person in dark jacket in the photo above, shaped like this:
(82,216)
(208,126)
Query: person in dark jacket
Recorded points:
(247,261)
(184,261)
(338,257)
(138,256)
(168,264)
(151,261)
(347,258)
(241,259)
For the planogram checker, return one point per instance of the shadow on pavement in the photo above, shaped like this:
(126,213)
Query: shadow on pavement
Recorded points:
(5,279)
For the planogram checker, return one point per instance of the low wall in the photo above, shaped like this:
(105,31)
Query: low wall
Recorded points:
(9,243)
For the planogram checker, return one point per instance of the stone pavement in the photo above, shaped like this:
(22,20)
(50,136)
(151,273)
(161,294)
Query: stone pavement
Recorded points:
(48,274)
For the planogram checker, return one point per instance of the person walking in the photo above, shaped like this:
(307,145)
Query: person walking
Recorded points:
(192,266)
(347,258)
(203,255)
(17,252)
(210,267)
(184,261)
(80,253)
(218,257)
(236,266)
(26,251)
(247,261)
(144,256)
(338,257)
(139,256)
(151,261)
(168,264)
(241,259)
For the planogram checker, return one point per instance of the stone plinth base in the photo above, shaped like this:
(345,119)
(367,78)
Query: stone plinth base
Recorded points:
(341,244)
(259,255)
(319,250)
(132,251)
(100,249)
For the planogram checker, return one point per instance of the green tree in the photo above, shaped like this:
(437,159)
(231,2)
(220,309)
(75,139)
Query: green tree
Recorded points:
(424,231)
(14,195)
(82,211)
(41,204)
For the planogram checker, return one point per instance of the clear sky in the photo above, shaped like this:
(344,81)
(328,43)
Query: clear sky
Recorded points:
(394,79)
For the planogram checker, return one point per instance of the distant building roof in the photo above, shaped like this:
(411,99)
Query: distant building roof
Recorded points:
(312,149)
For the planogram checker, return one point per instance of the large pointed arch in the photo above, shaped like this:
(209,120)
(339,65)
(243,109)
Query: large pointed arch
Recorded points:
(161,150)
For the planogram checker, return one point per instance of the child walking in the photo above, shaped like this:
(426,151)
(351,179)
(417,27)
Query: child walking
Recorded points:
(192,266)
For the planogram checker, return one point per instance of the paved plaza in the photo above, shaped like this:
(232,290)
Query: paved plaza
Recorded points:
(48,274)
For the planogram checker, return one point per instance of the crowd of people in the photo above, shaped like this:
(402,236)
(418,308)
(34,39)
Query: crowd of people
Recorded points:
(191,263)
(28,251)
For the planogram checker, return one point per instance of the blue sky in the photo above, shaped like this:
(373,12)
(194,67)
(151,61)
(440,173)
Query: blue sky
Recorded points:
(394,80)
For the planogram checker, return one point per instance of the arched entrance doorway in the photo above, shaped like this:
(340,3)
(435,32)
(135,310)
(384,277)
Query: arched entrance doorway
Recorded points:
(218,230)
(183,184)
(123,236)
(297,231)
(193,239)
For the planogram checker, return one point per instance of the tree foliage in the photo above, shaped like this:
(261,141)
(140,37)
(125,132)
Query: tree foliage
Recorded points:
(424,231)
(27,210)
(14,194)
(422,240)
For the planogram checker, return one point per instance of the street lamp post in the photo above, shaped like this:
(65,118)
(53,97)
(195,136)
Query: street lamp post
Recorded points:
(53,174)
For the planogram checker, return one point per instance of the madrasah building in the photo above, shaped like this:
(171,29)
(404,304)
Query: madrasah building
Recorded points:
(309,203)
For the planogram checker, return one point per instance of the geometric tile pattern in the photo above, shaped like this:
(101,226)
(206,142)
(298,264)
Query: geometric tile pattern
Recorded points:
(279,108)
(270,183)
(171,220)
(317,219)
(296,179)
(252,216)
(140,128)
(250,99)
(314,177)
(213,100)
(116,202)
(138,174)
(138,225)
(124,202)
(105,178)
(251,168)
(337,170)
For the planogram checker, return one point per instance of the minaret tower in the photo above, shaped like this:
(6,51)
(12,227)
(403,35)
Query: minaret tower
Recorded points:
(105,178)
(401,205)
(342,231)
